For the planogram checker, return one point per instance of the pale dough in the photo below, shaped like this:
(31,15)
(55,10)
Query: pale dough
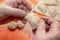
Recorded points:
(33,20)
(20,24)
(52,11)
(43,8)
(12,25)
(50,2)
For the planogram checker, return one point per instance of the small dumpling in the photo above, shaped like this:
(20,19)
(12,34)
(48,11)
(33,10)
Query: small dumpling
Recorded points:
(20,24)
(33,19)
(58,1)
(12,25)
(58,11)
(50,2)
(52,11)
(43,8)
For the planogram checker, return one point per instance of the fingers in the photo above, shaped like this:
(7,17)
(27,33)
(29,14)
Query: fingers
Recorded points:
(40,33)
(28,29)
(27,4)
(20,6)
(49,20)
(54,27)
(25,9)
(16,12)
(19,1)
(42,26)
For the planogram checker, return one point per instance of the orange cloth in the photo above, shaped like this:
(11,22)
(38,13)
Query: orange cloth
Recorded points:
(1,1)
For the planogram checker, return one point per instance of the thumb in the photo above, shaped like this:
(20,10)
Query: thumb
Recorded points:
(17,12)
(5,9)
(41,27)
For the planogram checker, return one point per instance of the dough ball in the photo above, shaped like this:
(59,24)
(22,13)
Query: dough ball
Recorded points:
(52,11)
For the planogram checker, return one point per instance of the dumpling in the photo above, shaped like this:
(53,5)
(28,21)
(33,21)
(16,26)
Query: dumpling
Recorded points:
(33,19)
(12,25)
(50,2)
(43,8)
(20,24)
(52,11)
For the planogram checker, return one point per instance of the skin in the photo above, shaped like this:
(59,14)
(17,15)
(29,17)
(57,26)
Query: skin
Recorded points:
(52,34)
(10,7)
(41,32)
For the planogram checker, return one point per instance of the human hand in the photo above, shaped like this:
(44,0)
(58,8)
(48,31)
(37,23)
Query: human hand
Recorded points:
(15,7)
(48,29)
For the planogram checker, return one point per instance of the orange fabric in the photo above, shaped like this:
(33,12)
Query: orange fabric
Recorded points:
(34,2)
(1,1)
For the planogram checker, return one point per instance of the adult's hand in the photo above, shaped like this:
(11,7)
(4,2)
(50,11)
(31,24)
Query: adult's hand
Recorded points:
(48,29)
(15,8)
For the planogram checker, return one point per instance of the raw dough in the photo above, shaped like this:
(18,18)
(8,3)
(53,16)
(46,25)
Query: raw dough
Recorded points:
(43,8)
(33,19)
(50,2)
(58,1)
(58,11)
(20,24)
(12,25)
(52,11)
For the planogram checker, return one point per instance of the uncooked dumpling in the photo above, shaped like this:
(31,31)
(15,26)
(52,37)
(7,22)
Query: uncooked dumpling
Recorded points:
(12,25)
(58,11)
(43,8)
(52,11)
(58,1)
(20,24)
(50,2)
(33,20)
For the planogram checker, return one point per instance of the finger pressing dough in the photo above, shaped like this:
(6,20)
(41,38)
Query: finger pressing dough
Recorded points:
(33,19)
(50,2)
(12,25)
(20,24)
(43,8)
(52,11)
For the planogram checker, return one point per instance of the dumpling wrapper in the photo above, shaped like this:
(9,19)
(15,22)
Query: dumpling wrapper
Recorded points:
(50,2)
(58,1)
(58,11)
(20,24)
(33,19)
(52,11)
(12,25)
(43,8)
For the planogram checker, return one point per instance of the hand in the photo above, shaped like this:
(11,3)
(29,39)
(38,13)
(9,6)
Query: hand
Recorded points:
(15,7)
(48,29)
